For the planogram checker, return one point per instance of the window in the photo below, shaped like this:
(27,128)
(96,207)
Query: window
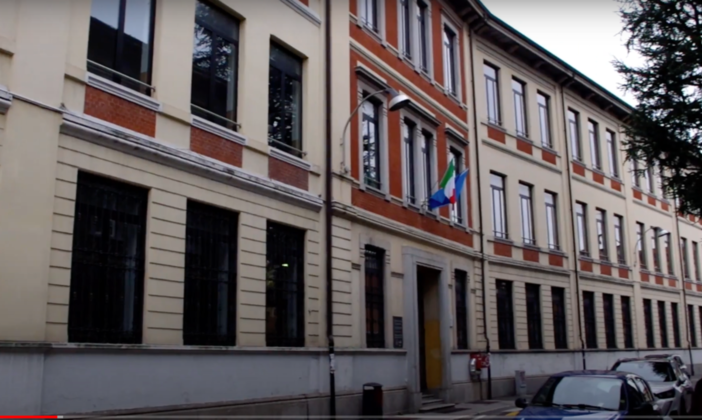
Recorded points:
(692,324)
(590,320)
(427,163)
(574,133)
(559,317)
(686,262)
(696,260)
(613,152)
(626,323)
(215,66)
(424,24)
(499,213)
(285,101)
(581,221)
(285,286)
(527,214)
(668,253)
(601,224)
(655,249)
(648,323)
(543,102)
(648,176)
(663,324)
(505,316)
(461,309)
(457,208)
(209,309)
(493,94)
(676,325)
(368,13)
(610,328)
(551,220)
(533,302)
(593,129)
(120,42)
(371,143)
(518,93)
(410,131)
(107,262)
(619,238)
(406,28)
(450,61)
(641,244)
(375,297)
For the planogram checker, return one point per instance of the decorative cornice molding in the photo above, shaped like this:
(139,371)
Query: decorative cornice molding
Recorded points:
(288,158)
(218,130)
(122,92)
(604,279)
(5,99)
(108,135)
(305,11)
(362,216)
(660,288)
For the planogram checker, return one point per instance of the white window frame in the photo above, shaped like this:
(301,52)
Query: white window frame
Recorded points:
(411,4)
(364,86)
(434,175)
(458,145)
(552,227)
(416,39)
(523,105)
(502,210)
(381,18)
(447,22)
(528,227)
(421,197)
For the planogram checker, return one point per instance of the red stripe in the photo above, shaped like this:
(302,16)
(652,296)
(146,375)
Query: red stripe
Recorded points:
(29,417)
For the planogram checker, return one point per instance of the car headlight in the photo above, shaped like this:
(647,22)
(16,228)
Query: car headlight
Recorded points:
(666,394)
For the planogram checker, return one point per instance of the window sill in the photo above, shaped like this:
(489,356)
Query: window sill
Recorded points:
(586,258)
(305,11)
(502,240)
(122,92)
(496,126)
(599,171)
(288,158)
(533,247)
(557,252)
(218,130)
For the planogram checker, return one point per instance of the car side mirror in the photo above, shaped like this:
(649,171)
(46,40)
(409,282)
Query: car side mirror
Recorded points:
(521,403)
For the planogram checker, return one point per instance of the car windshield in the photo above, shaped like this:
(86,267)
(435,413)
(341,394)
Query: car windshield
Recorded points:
(650,371)
(581,392)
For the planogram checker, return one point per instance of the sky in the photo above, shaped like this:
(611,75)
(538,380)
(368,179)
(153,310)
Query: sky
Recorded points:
(583,33)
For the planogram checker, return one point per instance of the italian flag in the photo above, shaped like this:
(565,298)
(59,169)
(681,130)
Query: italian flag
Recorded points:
(450,188)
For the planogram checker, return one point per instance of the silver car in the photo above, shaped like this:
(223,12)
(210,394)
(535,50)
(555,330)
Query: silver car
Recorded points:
(672,387)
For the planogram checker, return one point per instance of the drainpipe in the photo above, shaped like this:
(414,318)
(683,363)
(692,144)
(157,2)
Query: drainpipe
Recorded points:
(480,214)
(682,272)
(328,202)
(572,217)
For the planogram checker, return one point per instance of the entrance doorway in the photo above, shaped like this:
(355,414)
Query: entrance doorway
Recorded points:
(429,325)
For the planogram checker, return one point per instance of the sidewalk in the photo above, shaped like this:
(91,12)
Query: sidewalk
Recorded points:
(499,407)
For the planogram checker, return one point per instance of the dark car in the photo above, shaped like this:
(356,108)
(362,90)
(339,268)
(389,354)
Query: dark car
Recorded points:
(591,394)
(672,387)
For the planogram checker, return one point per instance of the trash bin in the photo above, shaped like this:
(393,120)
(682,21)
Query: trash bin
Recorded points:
(372,400)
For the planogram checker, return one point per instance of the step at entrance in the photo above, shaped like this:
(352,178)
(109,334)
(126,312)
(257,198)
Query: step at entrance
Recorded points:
(431,403)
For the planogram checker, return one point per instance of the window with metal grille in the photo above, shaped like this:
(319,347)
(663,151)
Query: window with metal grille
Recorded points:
(499,212)
(527,213)
(593,133)
(121,41)
(610,328)
(543,102)
(613,152)
(107,262)
(581,223)
(505,314)
(215,65)
(519,97)
(209,309)
(371,143)
(676,325)
(648,323)
(533,302)
(574,134)
(590,320)
(285,286)
(692,324)
(626,323)
(461,309)
(663,324)
(375,296)
(551,220)
(285,101)
(559,317)
(410,132)
(686,261)
(492,92)
(601,225)
(619,238)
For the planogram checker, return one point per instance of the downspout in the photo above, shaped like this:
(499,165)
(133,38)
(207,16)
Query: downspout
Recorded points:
(682,272)
(576,260)
(328,202)
(480,212)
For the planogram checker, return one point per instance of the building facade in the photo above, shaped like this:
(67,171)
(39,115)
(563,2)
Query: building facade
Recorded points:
(161,192)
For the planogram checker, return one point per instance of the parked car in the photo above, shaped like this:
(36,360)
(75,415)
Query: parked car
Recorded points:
(677,360)
(596,394)
(671,386)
